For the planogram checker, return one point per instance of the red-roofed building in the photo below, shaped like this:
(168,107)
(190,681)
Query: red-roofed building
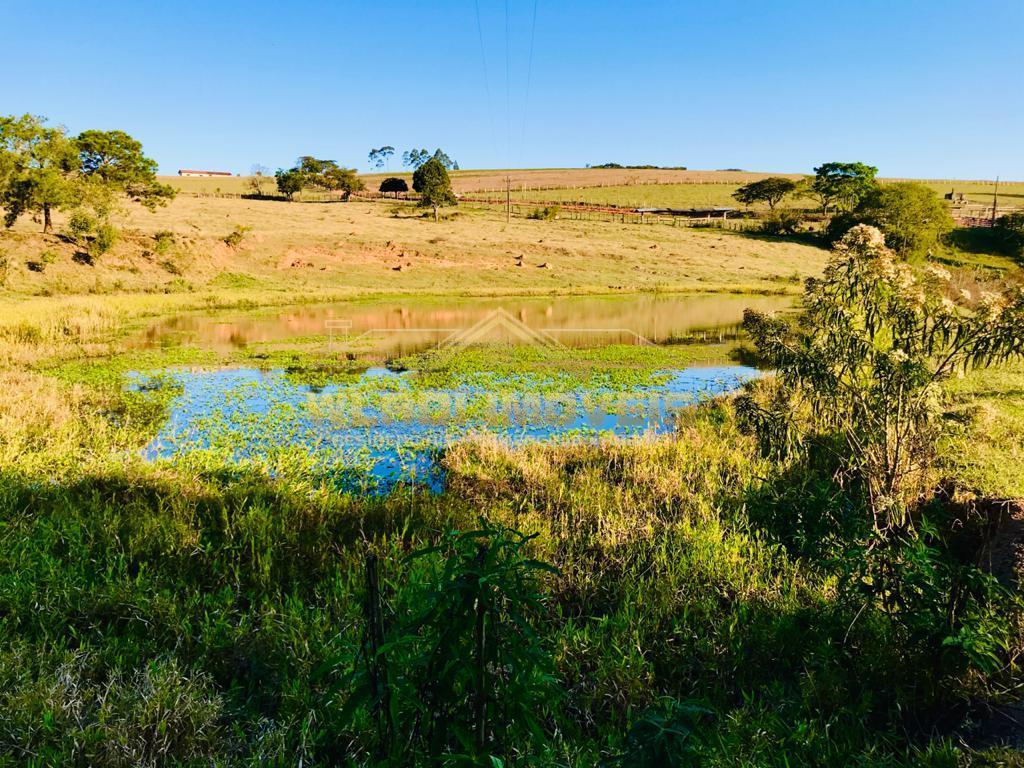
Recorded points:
(204,173)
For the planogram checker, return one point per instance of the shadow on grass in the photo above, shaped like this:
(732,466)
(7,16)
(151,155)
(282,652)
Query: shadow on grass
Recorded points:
(987,241)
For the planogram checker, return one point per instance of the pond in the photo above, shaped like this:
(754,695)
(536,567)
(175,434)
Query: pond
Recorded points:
(403,326)
(376,428)
(521,369)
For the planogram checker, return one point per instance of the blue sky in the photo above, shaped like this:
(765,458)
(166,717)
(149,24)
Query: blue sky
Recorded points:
(923,88)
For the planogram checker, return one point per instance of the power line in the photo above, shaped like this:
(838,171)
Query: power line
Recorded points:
(508,91)
(487,82)
(529,75)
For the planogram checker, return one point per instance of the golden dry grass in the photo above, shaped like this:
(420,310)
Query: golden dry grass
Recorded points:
(359,248)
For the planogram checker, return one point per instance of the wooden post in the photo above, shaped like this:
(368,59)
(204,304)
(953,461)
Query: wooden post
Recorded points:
(376,661)
(480,705)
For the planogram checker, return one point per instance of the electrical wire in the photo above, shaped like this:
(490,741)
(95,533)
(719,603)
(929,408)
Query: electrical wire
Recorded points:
(487,82)
(529,75)
(508,91)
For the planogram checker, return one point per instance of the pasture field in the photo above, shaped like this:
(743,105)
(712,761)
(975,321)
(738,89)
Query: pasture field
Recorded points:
(693,605)
(623,187)
(494,180)
(705,195)
(312,251)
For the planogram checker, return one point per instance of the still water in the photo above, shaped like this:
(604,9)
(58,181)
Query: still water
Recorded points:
(381,428)
(375,429)
(402,326)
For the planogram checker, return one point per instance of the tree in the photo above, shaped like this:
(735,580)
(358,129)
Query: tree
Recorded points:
(1011,226)
(414,158)
(435,187)
(289,182)
(770,191)
(116,159)
(312,173)
(864,368)
(443,159)
(42,169)
(379,157)
(843,185)
(912,217)
(328,176)
(393,184)
(41,166)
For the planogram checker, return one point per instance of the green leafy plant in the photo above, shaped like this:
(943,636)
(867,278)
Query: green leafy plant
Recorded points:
(81,225)
(105,238)
(665,735)
(865,363)
(163,242)
(547,213)
(460,672)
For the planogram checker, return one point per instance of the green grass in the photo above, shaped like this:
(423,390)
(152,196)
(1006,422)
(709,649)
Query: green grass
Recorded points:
(178,612)
(182,612)
(989,454)
(641,195)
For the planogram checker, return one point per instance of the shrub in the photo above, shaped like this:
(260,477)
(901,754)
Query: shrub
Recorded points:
(911,216)
(547,213)
(164,240)
(878,337)
(785,221)
(81,225)
(235,237)
(103,241)
(1012,225)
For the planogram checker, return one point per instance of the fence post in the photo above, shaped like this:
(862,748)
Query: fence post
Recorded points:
(377,662)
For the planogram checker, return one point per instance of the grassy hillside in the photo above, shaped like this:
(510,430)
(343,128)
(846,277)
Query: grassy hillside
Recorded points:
(379,248)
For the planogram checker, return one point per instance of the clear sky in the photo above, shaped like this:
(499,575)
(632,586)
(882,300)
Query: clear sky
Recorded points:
(921,88)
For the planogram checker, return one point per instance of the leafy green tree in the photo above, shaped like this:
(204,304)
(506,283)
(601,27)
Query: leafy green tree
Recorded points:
(443,159)
(289,182)
(40,165)
(864,368)
(414,158)
(912,217)
(435,187)
(379,157)
(116,160)
(770,191)
(313,173)
(328,176)
(393,184)
(842,185)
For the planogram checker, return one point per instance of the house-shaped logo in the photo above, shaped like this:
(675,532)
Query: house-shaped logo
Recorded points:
(499,326)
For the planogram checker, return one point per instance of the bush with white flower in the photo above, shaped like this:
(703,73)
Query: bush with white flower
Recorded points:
(863,367)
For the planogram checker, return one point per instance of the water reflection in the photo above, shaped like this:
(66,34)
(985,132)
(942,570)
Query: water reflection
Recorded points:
(398,327)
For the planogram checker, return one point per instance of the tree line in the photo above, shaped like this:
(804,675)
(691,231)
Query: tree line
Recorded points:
(43,168)
(912,217)
(430,177)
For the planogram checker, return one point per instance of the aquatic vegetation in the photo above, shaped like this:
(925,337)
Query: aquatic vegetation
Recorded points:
(387,427)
